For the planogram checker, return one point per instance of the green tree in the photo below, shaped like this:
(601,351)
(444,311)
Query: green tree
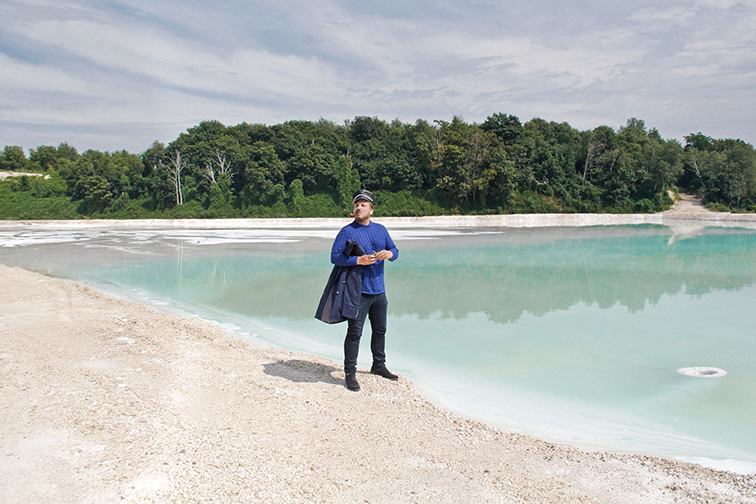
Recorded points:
(462,161)
(310,152)
(43,158)
(297,196)
(13,159)
(97,178)
(545,158)
(503,187)
(384,154)
(48,158)
(506,127)
(728,170)
(635,167)
(157,185)
(263,170)
(347,180)
(663,159)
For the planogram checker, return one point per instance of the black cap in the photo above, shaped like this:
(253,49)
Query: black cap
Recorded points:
(362,194)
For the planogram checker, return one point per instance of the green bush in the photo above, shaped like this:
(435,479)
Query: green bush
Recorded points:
(35,198)
(717,207)
(405,204)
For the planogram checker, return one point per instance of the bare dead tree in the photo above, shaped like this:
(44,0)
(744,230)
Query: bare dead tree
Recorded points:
(210,172)
(593,157)
(175,166)
(223,168)
(614,156)
(698,172)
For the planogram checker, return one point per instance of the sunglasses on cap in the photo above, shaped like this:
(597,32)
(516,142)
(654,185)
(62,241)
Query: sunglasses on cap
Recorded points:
(362,194)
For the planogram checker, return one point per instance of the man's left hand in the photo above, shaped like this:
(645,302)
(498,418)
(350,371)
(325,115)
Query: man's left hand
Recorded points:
(383,255)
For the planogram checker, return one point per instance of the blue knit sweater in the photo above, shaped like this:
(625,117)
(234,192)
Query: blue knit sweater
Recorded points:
(373,238)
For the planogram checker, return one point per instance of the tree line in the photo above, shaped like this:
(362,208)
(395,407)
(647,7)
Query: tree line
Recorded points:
(310,169)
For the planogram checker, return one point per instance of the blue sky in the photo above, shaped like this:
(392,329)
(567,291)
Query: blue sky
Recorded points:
(113,75)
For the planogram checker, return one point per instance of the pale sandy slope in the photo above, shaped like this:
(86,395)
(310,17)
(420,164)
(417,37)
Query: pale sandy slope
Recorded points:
(106,401)
(691,206)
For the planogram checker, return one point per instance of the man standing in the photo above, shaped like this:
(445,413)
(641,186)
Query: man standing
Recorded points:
(378,246)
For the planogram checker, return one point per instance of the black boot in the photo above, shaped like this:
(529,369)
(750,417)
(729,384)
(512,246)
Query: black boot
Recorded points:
(351,382)
(383,371)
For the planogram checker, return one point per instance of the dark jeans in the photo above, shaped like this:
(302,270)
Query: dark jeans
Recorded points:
(373,306)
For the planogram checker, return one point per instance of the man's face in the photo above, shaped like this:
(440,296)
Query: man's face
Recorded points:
(363,210)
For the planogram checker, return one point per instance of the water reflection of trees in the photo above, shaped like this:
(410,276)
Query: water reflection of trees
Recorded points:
(504,281)
(504,295)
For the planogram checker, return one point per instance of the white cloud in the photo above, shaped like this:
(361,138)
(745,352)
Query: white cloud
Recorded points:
(153,70)
(29,77)
(725,4)
(679,15)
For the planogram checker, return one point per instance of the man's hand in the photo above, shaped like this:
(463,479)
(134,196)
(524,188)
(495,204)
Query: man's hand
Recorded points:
(383,255)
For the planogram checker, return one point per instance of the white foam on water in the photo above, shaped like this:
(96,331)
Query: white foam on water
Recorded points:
(202,237)
(128,250)
(702,372)
(24,239)
(229,241)
(199,237)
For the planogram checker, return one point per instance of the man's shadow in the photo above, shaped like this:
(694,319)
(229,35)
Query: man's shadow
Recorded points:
(303,371)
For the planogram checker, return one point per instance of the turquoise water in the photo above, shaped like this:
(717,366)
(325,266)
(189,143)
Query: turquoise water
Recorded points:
(571,334)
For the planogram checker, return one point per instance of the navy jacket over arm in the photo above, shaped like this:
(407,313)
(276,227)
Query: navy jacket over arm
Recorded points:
(343,292)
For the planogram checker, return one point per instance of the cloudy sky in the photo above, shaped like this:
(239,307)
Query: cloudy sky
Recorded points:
(120,74)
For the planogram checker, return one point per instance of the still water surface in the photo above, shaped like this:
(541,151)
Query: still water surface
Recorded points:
(571,334)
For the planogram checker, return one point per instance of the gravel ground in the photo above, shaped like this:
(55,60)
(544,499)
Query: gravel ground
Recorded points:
(105,400)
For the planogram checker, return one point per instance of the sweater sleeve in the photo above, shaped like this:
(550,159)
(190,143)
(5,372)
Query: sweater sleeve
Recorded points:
(390,246)
(338,257)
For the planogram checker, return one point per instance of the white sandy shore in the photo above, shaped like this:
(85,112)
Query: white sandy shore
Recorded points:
(688,212)
(104,400)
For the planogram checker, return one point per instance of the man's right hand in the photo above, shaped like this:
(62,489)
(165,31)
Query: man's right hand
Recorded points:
(366,260)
